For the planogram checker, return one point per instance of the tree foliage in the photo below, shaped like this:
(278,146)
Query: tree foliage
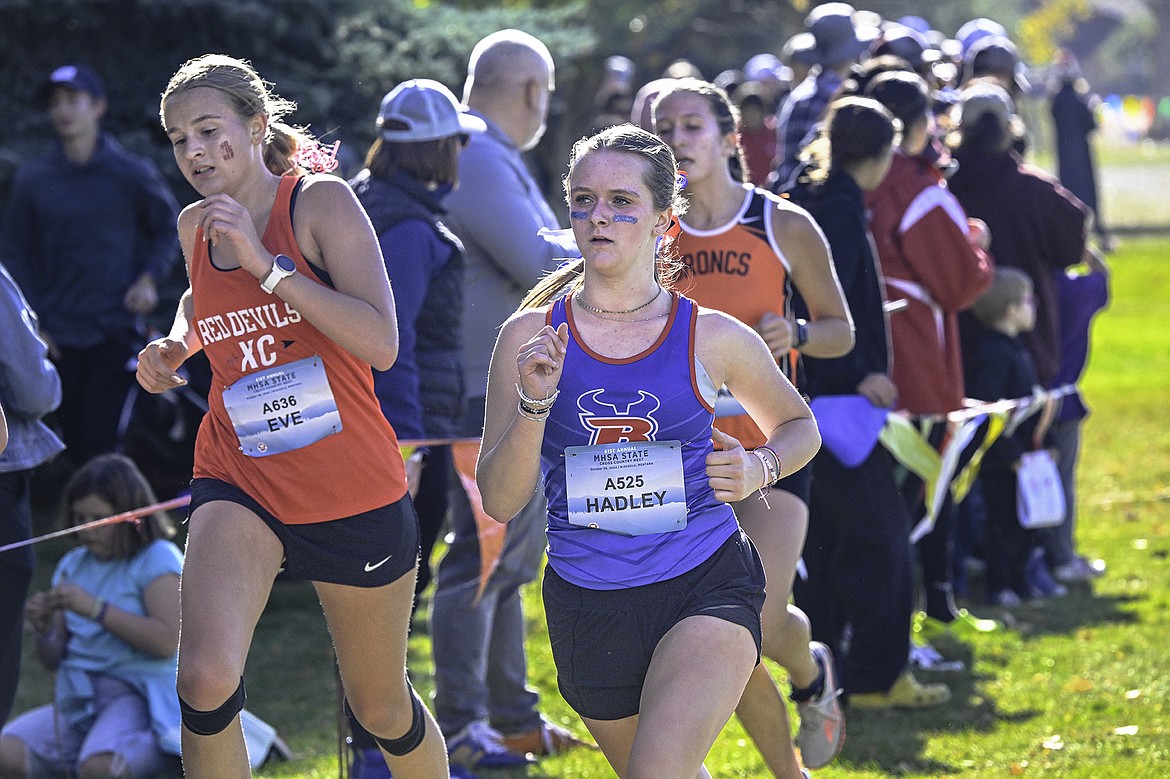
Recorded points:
(336,58)
(1042,30)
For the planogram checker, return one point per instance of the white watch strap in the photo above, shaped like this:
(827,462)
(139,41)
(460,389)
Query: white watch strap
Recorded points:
(274,276)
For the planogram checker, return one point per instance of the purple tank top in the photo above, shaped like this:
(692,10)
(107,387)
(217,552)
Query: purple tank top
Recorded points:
(610,406)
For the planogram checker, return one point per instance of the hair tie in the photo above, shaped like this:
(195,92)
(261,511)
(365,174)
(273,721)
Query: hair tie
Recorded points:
(316,158)
(681,179)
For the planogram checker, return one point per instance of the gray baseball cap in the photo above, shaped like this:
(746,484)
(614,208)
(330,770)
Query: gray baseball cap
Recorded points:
(424,110)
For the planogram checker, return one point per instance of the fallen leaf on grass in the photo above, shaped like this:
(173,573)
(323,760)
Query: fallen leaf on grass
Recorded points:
(1126,730)
(1078,684)
(1018,769)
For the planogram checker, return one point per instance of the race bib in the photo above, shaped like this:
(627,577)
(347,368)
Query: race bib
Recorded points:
(631,488)
(283,408)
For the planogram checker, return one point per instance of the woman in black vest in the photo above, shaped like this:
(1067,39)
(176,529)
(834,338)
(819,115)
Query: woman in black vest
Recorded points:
(410,168)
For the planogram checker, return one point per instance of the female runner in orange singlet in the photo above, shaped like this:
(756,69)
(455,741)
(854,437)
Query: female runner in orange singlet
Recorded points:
(296,469)
(745,252)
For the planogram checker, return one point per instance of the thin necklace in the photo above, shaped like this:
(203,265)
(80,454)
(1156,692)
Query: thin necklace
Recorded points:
(600,311)
(631,321)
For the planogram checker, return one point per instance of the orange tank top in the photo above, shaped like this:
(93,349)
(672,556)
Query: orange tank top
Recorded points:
(738,269)
(255,342)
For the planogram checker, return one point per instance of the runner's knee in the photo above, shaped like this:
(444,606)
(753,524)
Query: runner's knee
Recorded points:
(407,743)
(209,723)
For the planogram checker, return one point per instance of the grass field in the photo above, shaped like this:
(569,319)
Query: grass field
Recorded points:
(1133,176)
(1077,687)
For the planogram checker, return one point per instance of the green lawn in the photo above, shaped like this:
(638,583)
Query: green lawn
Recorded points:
(1076,688)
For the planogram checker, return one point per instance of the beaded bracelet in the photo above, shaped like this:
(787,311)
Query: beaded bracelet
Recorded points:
(542,405)
(531,409)
(533,414)
(766,487)
(770,474)
(779,465)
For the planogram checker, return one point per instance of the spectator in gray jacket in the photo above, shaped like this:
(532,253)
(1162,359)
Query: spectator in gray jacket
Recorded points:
(509,233)
(29,389)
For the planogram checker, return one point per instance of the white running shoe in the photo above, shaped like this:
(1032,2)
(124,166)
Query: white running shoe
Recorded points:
(822,723)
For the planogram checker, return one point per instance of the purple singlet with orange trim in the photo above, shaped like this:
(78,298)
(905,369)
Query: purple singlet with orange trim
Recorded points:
(606,404)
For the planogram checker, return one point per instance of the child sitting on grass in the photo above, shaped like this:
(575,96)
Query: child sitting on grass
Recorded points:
(109,628)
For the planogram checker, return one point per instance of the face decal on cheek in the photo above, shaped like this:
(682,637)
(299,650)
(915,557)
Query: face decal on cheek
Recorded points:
(578,215)
(228,151)
(625,218)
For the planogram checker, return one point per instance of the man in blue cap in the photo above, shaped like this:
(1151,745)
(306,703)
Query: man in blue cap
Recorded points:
(836,46)
(88,233)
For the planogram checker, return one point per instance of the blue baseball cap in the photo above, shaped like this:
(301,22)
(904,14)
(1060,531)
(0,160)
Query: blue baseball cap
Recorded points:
(836,36)
(76,76)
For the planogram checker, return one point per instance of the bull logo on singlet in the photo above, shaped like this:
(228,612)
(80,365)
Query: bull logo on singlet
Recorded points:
(612,420)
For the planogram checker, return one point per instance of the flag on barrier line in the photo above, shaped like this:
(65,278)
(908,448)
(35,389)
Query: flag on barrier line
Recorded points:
(850,429)
(850,425)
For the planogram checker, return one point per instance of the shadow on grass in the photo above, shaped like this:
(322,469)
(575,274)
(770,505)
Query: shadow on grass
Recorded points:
(1081,608)
(893,741)
(1078,610)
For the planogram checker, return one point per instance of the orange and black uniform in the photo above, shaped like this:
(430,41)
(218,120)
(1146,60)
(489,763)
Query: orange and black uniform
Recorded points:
(739,269)
(243,329)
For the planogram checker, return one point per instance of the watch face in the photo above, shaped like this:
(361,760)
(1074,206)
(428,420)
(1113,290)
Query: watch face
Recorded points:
(285,263)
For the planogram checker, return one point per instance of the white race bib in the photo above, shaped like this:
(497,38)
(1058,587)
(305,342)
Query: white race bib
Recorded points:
(283,408)
(632,488)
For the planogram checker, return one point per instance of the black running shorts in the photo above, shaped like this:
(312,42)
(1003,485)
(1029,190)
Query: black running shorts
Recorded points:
(603,640)
(370,549)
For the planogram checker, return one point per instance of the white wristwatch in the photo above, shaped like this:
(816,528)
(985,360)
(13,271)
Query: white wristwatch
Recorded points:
(282,267)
